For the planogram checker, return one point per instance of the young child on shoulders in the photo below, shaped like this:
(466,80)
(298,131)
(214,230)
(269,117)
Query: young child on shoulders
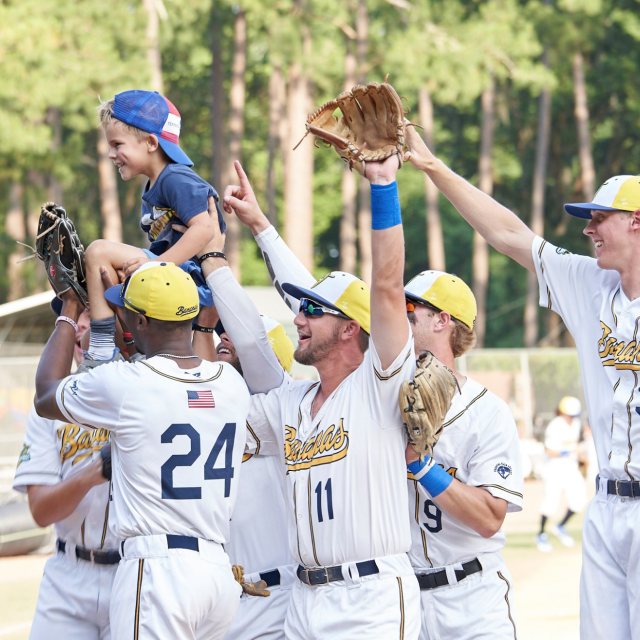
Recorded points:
(143,129)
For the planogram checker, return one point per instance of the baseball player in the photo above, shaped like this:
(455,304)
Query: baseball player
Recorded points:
(598,301)
(178,433)
(343,439)
(561,473)
(61,470)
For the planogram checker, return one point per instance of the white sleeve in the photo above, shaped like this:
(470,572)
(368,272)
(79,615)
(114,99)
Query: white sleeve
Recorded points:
(265,431)
(380,387)
(496,465)
(568,283)
(40,461)
(94,399)
(260,367)
(283,266)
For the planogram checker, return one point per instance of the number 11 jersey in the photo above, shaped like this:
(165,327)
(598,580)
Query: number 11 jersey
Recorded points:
(177,436)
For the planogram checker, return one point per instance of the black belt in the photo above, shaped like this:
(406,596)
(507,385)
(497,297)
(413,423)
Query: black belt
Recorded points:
(623,488)
(272,578)
(439,578)
(325,575)
(95,557)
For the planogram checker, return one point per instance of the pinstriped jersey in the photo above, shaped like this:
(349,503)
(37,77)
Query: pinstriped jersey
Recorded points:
(479,446)
(604,324)
(52,451)
(345,485)
(177,441)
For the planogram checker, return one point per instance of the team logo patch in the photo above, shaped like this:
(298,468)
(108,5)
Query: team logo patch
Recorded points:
(503,470)
(25,454)
(327,446)
(74,388)
(562,252)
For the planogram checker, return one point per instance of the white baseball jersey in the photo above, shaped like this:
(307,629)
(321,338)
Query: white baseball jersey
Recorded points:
(561,436)
(346,472)
(478,446)
(178,436)
(54,450)
(604,323)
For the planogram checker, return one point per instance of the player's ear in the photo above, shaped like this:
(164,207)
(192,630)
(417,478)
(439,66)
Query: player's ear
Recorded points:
(350,329)
(635,220)
(444,321)
(152,143)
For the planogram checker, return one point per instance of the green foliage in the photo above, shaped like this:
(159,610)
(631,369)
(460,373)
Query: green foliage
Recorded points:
(57,58)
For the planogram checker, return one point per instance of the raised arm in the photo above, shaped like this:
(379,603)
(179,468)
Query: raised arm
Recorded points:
(282,263)
(499,226)
(389,326)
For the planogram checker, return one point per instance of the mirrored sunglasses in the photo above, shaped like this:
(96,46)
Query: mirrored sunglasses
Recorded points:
(313,308)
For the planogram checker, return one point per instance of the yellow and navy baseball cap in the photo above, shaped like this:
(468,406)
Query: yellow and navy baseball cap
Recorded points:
(278,339)
(340,291)
(158,290)
(620,193)
(570,406)
(445,292)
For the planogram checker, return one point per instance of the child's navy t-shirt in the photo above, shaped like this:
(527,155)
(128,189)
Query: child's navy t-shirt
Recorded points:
(178,195)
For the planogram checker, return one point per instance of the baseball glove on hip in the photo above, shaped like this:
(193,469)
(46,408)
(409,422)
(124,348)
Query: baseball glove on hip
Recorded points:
(370,129)
(59,247)
(250,588)
(424,402)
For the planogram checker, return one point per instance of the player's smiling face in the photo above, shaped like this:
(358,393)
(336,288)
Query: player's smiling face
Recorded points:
(317,337)
(129,153)
(227,353)
(609,231)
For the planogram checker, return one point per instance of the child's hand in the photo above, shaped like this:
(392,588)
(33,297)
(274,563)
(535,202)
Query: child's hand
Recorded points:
(132,265)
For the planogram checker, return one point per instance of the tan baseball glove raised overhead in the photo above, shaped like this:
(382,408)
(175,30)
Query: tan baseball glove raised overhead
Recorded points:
(424,402)
(371,127)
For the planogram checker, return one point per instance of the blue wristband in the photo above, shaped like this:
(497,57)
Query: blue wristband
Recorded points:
(435,481)
(385,206)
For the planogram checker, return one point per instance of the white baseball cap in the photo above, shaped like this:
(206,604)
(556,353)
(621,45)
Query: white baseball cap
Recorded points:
(620,193)
(570,406)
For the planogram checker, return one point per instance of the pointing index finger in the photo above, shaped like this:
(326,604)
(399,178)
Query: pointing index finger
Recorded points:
(244,181)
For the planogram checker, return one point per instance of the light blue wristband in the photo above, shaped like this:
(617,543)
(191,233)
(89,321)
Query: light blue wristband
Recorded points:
(385,206)
(435,480)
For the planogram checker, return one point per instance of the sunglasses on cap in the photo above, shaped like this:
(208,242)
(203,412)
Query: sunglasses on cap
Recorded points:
(412,304)
(125,284)
(313,308)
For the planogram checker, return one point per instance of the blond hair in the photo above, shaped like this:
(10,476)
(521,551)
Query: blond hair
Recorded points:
(105,113)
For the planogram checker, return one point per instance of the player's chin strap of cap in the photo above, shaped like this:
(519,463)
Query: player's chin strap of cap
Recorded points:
(437,579)
(622,488)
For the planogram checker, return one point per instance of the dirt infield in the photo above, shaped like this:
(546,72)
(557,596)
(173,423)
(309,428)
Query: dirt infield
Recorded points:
(545,597)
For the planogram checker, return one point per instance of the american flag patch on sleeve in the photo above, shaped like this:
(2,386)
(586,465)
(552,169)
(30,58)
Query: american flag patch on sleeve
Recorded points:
(201,400)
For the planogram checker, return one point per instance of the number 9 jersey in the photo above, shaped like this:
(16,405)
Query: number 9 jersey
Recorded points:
(178,436)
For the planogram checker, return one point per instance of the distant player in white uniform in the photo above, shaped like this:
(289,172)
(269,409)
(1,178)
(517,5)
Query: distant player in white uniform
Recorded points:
(599,301)
(561,473)
(60,468)
(343,439)
(178,434)
(459,498)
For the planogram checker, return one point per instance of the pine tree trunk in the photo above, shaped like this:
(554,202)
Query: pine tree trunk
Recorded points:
(154,57)
(277,94)
(537,207)
(37,186)
(348,232)
(480,247)
(582,122)
(236,132)
(16,231)
(109,202)
(298,186)
(218,111)
(364,208)
(435,239)
(54,188)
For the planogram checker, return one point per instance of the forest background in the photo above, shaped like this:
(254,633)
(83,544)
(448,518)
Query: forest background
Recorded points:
(534,101)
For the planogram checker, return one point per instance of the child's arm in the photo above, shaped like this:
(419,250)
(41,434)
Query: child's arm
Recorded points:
(199,233)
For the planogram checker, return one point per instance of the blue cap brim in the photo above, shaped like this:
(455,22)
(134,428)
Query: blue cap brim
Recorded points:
(174,152)
(299,292)
(114,295)
(56,306)
(583,209)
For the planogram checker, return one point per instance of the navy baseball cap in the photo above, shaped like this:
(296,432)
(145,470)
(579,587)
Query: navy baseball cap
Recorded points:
(153,113)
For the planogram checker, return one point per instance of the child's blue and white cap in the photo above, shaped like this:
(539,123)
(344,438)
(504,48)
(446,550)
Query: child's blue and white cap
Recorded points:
(153,113)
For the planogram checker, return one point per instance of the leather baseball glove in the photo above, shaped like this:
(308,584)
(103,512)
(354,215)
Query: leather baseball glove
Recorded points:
(370,129)
(424,402)
(250,588)
(59,247)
